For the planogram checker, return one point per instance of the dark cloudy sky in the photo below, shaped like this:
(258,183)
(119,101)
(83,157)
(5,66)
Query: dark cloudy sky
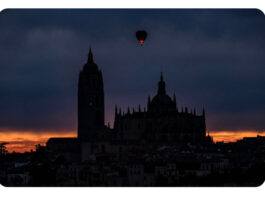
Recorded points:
(211,58)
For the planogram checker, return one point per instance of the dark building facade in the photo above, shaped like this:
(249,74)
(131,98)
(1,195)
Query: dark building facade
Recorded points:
(90,99)
(161,122)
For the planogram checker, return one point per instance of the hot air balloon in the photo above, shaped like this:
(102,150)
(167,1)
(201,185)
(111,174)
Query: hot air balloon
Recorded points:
(141,36)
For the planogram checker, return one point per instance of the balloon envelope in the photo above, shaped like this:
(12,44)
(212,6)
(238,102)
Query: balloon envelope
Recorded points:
(141,36)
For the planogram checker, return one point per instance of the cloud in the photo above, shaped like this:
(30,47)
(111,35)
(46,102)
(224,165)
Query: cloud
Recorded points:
(211,58)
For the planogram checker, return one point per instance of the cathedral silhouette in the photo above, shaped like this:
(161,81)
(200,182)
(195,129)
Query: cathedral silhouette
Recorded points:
(161,123)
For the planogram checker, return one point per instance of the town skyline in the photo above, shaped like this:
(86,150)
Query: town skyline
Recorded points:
(219,136)
(208,60)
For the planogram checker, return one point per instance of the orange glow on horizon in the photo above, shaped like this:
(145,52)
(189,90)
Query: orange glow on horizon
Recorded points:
(233,136)
(25,141)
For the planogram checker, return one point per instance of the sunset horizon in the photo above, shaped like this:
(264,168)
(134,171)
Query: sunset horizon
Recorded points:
(25,141)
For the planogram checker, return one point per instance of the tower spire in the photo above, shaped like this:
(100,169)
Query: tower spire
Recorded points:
(161,85)
(116,110)
(148,103)
(174,100)
(203,112)
(90,56)
(161,76)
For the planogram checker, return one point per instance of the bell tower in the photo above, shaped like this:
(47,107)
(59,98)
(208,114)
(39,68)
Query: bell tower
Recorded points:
(90,99)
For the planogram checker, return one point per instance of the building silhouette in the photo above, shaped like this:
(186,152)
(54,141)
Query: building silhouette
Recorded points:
(90,99)
(160,123)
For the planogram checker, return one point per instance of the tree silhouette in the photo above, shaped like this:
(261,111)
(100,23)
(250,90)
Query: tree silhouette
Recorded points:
(3,150)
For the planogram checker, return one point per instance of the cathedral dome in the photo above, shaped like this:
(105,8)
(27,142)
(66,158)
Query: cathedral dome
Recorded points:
(161,102)
(162,99)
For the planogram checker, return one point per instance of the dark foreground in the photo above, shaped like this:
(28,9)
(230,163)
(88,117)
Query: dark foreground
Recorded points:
(221,164)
